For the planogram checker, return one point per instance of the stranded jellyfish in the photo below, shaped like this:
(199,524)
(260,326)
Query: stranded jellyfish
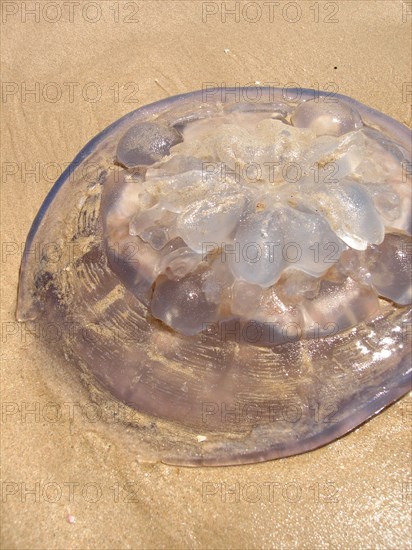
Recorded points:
(237,273)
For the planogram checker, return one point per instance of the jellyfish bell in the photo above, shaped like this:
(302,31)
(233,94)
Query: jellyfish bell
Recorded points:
(233,271)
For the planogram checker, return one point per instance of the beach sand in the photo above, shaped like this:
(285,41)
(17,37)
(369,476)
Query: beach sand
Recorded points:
(68,72)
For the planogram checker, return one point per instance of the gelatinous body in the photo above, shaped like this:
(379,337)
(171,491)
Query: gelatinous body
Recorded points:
(236,273)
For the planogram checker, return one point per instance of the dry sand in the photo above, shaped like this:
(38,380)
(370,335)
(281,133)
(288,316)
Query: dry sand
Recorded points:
(356,492)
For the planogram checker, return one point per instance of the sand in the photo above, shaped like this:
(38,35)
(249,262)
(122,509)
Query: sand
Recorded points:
(69,70)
